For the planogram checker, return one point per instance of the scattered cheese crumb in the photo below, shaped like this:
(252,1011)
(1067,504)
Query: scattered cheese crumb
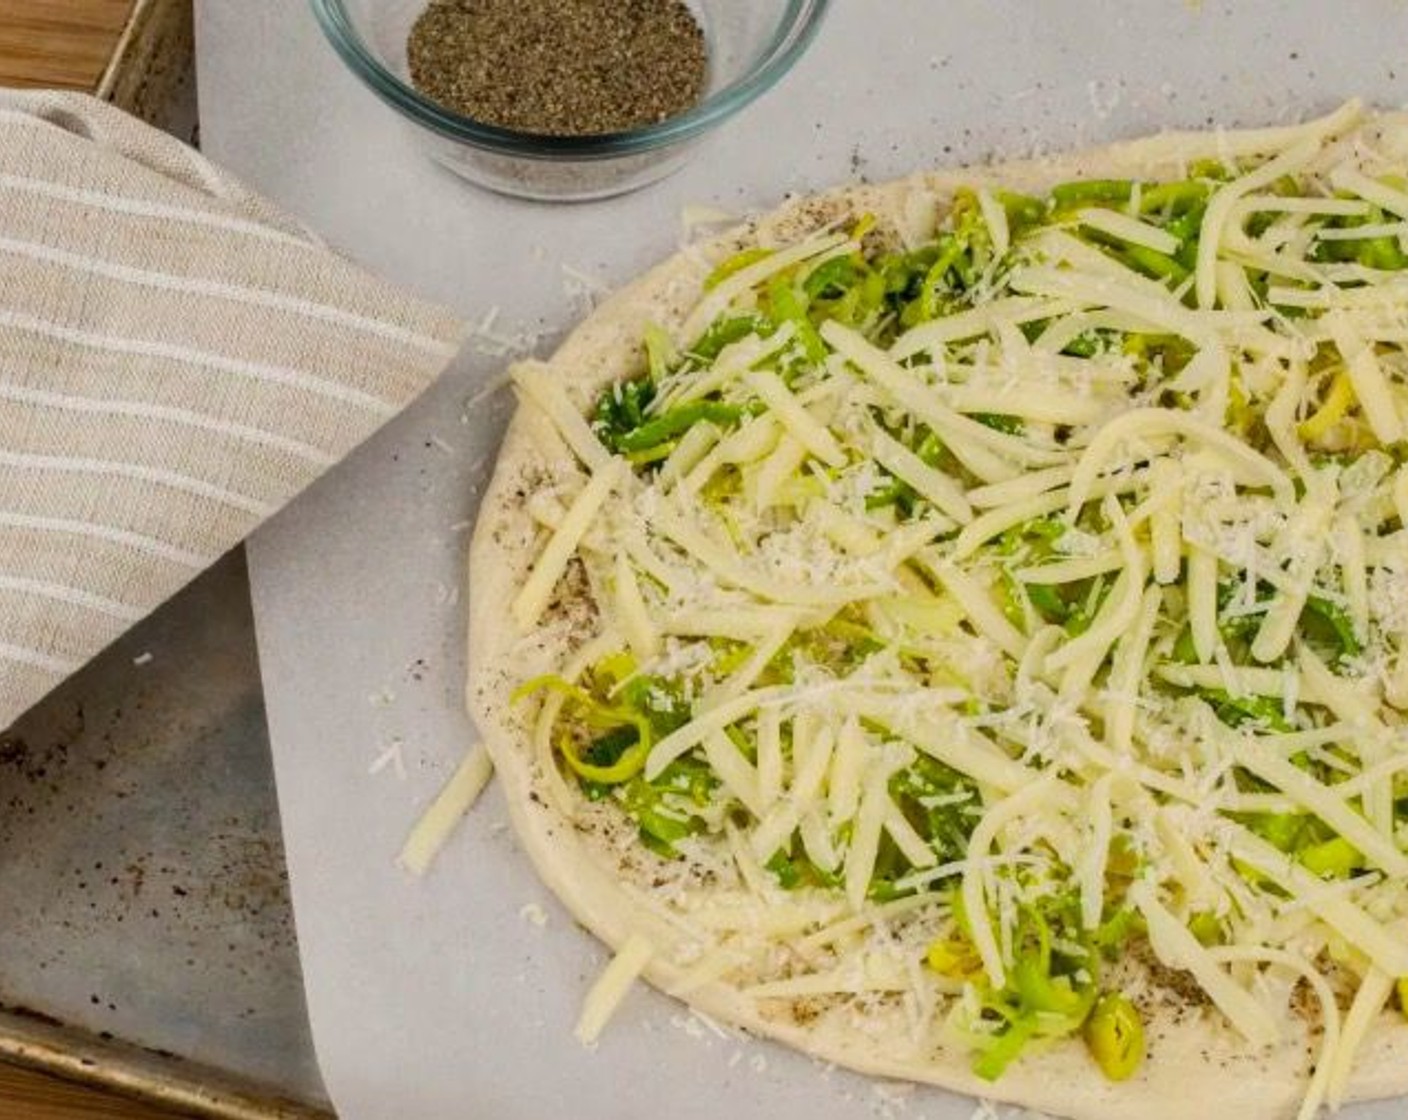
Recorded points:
(490,388)
(689,1024)
(484,339)
(697,219)
(712,1024)
(1104,97)
(391,756)
(583,290)
(890,1100)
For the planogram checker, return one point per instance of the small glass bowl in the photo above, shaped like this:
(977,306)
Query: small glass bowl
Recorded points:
(751,44)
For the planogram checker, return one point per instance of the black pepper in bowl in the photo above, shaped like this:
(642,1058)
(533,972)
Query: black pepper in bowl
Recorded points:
(560,67)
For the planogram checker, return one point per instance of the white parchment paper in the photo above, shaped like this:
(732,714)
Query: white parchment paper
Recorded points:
(455,997)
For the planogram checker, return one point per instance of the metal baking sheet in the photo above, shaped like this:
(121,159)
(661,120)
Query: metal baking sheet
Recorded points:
(149,944)
(442,997)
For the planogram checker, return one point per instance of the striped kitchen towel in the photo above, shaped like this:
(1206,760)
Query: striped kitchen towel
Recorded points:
(177,360)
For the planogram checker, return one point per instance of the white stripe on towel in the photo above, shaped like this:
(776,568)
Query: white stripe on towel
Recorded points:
(75,596)
(102,406)
(142,208)
(60,667)
(135,541)
(257,371)
(68,464)
(220,290)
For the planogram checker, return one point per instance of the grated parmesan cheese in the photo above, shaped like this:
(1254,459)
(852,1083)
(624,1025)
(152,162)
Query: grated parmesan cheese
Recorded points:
(1121,557)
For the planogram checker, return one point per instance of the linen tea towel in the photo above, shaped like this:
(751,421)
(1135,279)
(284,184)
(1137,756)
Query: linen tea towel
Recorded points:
(178,359)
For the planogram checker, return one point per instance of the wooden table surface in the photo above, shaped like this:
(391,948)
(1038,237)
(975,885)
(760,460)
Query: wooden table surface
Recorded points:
(60,43)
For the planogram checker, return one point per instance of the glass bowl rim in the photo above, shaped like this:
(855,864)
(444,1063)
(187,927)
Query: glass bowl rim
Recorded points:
(796,28)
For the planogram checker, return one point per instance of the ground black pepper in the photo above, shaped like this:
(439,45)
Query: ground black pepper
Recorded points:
(559,67)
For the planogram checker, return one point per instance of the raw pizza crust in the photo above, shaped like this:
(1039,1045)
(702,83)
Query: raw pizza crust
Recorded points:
(1195,1061)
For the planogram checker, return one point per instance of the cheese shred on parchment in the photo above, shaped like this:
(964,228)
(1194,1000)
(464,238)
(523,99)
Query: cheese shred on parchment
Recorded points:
(611,987)
(995,606)
(435,827)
